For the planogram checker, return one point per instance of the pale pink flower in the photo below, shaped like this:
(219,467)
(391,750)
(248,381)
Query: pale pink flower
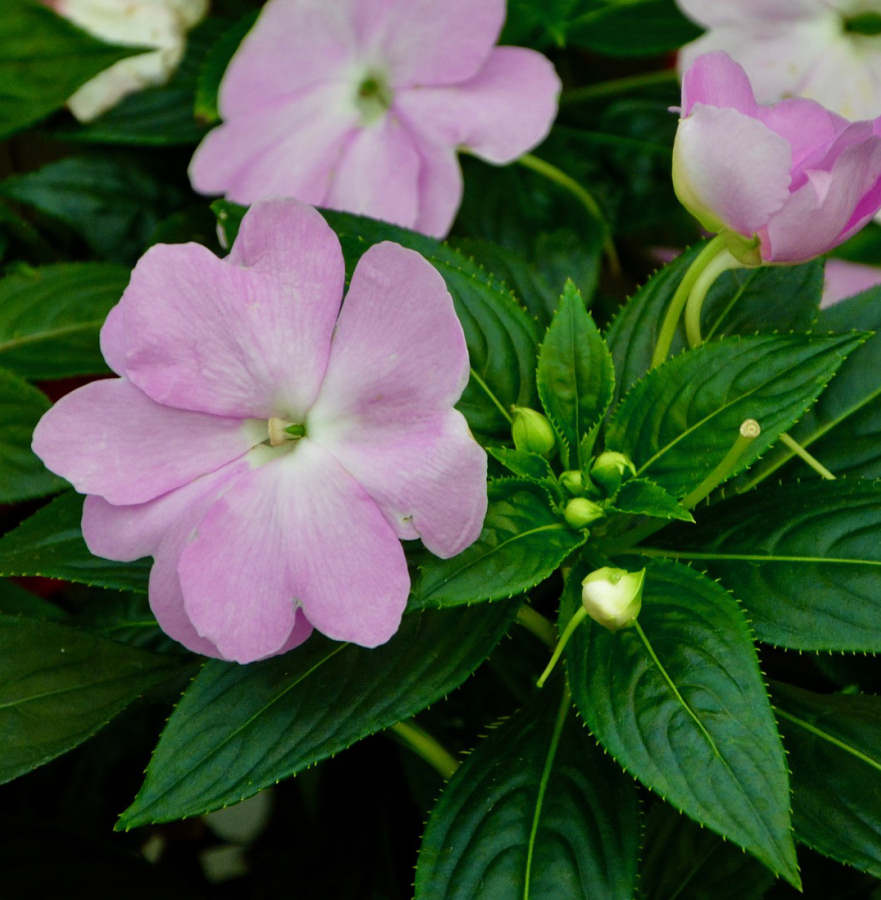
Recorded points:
(361,105)
(268,449)
(162,24)
(804,48)
(792,179)
(843,279)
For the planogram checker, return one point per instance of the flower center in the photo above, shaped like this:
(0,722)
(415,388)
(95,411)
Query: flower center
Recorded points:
(281,430)
(373,98)
(864,23)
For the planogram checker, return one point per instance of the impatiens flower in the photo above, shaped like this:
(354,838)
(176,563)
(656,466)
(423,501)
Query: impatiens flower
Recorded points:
(825,50)
(268,449)
(361,106)
(787,182)
(845,279)
(162,24)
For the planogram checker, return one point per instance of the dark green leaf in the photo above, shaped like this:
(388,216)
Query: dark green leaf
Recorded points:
(681,859)
(213,64)
(833,743)
(50,543)
(522,462)
(43,60)
(805,559)
(112,202)
(681,420)
(16,601)
(50,318)
(22,475)
(576,376)
(522,543)
(685,710)
(59,685)
(480,840)
(238,728)
(642,497)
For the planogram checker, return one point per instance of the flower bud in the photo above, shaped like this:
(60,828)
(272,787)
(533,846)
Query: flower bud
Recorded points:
(580,511)
(532,431)
(609,468)
(613,597)
(573,481)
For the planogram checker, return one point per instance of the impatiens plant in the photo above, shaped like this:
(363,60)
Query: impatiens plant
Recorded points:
(506,557)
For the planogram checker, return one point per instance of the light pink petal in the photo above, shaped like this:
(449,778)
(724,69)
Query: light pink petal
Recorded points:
(378,174)
(108,438)
(398,351)
(715,79)
(712,13)
(506,109)
(427,475)
(208,335)
(846,279)
(427,42)
(828,207)
(296,532)
(286,149)
(293,45)
(729,169)
(112,340)
(440,188)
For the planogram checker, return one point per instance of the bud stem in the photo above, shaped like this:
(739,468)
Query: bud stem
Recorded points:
(424,745)
(535,623)
(707,278)
(749,431)
(812,461)
(714,248)
(574,622)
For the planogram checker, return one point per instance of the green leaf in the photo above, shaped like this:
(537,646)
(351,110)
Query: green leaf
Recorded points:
(163,115)
(578,839)
(642,497)
(50,318)
(112,202)
(843,430)
(681,859)
(238,728)
(809,578)
(833,743)
(576,376)
(745,301)
(502,337)
(632,28)
(59,685)
(213,65)
(523,542)
(43,60)
(685,710)
(523,463)
(16,601)
(50,543)
(681,420)
(22,474)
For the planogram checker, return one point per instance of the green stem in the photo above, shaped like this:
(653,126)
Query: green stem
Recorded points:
(749,431)
(573,623)
(535,623)
(492,396)
(674,311)
(552,173)
(618,86)
(707,278)
(424,745)
(812,461)
(543,786)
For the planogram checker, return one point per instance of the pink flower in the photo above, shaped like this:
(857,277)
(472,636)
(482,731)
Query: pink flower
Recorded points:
(792,180)
(266,448)
(361,105)
(846,279)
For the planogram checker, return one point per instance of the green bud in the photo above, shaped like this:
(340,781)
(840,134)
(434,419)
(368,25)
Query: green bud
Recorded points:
(613,597)
(532,431)
(580,511)
(608,470)
(573,481)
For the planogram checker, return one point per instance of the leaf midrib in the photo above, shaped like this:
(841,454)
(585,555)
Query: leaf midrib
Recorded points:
(827,736)
(36,337)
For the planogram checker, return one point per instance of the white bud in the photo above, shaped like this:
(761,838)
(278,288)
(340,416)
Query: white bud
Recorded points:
(613,597)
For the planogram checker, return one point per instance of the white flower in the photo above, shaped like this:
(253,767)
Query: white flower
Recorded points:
(825,50)
(162,24)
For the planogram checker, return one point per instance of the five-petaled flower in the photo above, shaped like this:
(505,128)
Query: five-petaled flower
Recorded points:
(362,106)
(162,24)
(787,182)
(268,448)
